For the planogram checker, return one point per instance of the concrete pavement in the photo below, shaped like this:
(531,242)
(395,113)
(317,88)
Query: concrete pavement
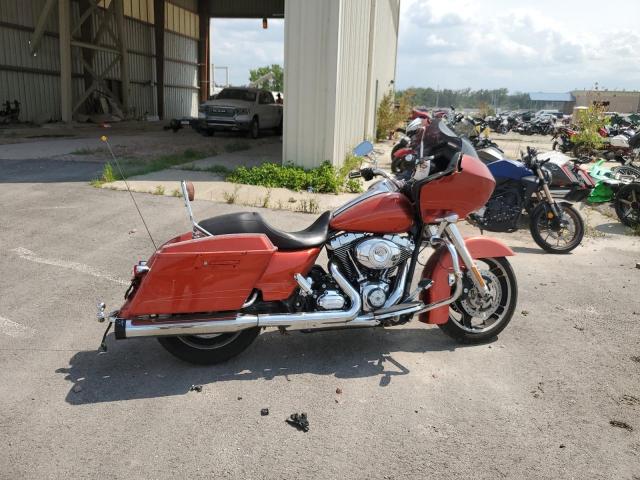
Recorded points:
(537,403)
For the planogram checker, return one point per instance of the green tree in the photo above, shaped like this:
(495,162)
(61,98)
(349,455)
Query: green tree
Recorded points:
(276,83)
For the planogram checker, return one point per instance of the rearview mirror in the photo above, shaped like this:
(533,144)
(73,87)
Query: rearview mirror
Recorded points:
(365,148)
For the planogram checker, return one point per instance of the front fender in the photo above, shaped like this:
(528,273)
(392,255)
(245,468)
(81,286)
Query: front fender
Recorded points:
(439,266)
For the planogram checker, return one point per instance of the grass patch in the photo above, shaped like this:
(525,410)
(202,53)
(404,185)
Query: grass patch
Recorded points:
(86,151)
(324,179)
(132,167)
(237,146)
(231,197)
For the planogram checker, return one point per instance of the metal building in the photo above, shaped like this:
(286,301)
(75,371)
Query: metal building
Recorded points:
(340,58)
(614,100)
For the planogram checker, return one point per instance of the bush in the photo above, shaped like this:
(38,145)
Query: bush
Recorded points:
(390,114)
(589,122)
(324,179)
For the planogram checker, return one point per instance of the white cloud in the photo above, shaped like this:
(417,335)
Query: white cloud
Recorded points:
(555,46)
(547,45)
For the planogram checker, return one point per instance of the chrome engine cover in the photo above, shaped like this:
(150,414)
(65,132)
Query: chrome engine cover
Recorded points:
(382,253)
(374,295)
(330,300)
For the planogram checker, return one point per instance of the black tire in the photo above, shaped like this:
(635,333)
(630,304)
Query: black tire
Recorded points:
(541,222)
(278,129)
(396,162)
(627,170)
(205,350)
(460,325)
(254,128)
(627,205)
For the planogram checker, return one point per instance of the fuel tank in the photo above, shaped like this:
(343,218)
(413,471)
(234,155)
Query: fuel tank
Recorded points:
(378,210)
(511,169)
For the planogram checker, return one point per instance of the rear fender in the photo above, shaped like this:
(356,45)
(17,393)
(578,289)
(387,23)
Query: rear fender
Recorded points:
(401,152)
(439,266)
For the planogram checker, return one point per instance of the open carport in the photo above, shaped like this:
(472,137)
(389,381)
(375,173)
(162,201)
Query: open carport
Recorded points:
(151,57)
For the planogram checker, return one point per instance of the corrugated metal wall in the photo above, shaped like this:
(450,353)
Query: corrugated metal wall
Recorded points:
(34,81)
(384,37)
(332,67)
(353,57)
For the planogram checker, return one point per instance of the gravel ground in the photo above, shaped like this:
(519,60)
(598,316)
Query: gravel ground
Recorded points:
(537,403)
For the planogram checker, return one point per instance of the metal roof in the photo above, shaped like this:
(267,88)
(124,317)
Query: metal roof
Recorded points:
(246,8)
(551,97)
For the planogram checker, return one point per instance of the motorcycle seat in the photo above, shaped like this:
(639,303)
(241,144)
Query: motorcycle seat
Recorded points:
(252,222)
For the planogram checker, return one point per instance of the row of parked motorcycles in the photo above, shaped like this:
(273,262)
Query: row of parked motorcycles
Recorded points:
(621,143)
(538,186)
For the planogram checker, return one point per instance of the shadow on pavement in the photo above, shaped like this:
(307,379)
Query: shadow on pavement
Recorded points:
(135,369)
(534,250)
(613,228)
(48,171)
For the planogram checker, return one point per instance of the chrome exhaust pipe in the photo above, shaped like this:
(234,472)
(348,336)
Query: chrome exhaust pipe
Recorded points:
(128,329)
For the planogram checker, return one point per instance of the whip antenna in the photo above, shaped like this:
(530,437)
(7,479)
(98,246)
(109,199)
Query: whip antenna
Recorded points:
(106,141)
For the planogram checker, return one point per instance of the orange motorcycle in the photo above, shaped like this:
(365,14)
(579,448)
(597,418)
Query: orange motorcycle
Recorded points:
(208,293)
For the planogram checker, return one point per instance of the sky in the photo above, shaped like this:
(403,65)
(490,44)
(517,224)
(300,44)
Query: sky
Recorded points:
(547,45)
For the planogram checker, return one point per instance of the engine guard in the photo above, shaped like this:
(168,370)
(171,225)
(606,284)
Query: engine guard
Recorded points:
(439,266)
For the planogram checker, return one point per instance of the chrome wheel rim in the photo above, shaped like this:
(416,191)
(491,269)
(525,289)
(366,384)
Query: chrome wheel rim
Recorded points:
(564,236)
(475,314)
(211,341)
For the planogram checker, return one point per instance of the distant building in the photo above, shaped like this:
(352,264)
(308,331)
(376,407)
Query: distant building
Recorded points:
(563,102)
(614,101)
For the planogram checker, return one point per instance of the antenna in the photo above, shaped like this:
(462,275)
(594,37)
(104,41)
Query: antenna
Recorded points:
(106,141)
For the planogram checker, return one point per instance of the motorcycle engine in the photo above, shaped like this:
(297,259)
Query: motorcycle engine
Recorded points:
(501,212)
(370,261)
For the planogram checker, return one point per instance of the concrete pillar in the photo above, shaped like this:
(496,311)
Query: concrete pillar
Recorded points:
(64,16)
(203,50)
(158,20)
(311,31)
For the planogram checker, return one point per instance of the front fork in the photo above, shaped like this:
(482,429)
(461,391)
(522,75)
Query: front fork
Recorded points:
(449,227)
(555,208)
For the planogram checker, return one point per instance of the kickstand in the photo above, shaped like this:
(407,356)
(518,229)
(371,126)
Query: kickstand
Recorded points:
(103,343)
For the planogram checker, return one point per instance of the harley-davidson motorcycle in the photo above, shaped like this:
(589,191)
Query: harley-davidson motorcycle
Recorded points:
(207,293)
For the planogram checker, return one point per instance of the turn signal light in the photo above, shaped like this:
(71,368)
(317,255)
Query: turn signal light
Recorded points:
(140,268)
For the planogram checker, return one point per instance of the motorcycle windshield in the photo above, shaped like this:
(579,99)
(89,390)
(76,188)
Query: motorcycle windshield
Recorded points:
(439,135)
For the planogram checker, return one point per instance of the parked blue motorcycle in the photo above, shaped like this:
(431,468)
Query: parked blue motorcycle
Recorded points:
(523,186)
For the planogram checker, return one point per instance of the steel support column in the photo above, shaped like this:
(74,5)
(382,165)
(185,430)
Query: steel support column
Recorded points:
(64,18)
(158,20)
(203,51)
(124,55)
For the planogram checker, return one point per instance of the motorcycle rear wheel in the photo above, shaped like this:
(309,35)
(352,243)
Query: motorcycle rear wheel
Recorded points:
(209,349)
(542,229)
(473,319)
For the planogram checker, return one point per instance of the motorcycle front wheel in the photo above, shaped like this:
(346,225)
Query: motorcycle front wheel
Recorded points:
(475,318)
(556,235)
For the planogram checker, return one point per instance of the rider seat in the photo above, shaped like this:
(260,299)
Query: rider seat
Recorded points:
(252,222)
